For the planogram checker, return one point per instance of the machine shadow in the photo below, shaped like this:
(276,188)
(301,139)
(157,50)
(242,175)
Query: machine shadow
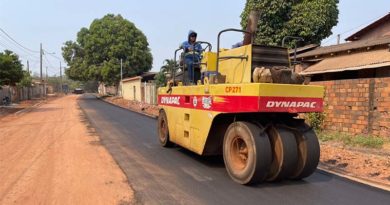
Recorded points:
(318,176)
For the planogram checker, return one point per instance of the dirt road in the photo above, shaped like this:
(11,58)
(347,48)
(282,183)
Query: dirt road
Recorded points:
(50,156)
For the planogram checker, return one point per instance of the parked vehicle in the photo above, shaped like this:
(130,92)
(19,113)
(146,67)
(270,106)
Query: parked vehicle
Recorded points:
(78,91)
(6,100)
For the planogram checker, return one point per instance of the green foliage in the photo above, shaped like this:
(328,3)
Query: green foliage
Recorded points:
(350,140)
(366,141)
(55,81)
(72,84)
(310,19)
(11,69)
(97,52)
(26,80)
(91,86)
(166,70)
(316,120)
(160,79)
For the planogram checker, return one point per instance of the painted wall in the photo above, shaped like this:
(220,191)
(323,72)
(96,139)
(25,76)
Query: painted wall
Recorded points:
(132,90)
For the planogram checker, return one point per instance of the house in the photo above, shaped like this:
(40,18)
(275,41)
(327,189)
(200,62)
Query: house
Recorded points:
(104,89)
(140,88)
(356,75)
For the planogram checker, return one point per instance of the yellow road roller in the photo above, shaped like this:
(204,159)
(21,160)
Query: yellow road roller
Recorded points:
(245,105)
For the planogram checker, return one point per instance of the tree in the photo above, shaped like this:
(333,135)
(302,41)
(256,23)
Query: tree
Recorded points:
(310,19)
(165,70)
(11,69)
(98,49)
(26,80)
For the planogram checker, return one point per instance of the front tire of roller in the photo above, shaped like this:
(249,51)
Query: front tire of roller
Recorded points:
(246,153)
(162,129)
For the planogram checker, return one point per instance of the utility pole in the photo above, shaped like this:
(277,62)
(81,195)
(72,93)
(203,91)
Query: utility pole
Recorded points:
(338,39)
(28,87)
(61,78)
(46,74)
(121,77)
(40,65)
(121,70)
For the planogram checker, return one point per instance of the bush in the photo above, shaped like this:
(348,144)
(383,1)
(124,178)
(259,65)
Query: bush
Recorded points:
(316,120)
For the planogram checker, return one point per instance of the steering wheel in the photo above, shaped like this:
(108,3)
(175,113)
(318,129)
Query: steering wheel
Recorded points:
(208,45)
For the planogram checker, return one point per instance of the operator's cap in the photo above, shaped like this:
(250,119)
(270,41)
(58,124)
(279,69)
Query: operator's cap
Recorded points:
(192,33)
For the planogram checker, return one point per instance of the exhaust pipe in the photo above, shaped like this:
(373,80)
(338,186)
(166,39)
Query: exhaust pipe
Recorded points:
(251,27)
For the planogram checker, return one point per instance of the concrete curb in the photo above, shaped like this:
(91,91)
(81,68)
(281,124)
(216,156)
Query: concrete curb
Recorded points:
(343,174)
(132,110)
(28,109)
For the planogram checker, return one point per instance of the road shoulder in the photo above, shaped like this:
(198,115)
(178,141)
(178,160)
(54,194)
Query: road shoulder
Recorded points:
(50,155)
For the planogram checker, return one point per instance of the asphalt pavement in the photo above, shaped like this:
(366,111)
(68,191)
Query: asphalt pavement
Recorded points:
(176,176)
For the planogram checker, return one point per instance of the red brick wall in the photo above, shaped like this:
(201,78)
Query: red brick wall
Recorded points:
(358,106)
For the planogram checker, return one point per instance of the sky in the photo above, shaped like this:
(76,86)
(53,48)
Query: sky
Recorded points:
(164,23)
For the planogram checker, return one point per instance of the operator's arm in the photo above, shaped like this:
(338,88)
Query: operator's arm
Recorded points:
(186,46)
(198,48)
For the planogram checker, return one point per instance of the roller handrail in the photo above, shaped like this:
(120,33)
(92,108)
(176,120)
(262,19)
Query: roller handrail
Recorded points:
(218,42)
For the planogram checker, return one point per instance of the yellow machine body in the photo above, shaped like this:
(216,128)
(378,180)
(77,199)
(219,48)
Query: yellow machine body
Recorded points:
(191,110)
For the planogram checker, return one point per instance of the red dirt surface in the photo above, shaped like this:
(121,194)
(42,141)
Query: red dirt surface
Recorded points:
(151,110)
(6,110)
(49,156)
(369,164)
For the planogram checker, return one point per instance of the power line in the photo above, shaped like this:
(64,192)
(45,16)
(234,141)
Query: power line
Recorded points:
(16,53)
(4,46)
(32,59)
(17,42)
(7,44)
(48,62)
(52,68)
(52,54)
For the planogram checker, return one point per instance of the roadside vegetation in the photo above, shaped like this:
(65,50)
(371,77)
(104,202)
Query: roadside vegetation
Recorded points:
(165,72)
(11,69)
(367,141)
(316,120)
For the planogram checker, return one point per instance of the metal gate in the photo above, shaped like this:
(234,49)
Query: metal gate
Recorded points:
(150,93)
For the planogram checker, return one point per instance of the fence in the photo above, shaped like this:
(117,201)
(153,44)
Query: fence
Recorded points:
(16,94)
(5,91)
(150,93)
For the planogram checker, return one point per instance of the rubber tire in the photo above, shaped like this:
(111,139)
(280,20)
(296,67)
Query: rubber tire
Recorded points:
(308,152)
(259,152)
(284,153)
(163,136)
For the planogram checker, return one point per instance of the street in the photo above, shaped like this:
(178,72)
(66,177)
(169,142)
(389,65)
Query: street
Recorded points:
(49,155)
(176,176)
